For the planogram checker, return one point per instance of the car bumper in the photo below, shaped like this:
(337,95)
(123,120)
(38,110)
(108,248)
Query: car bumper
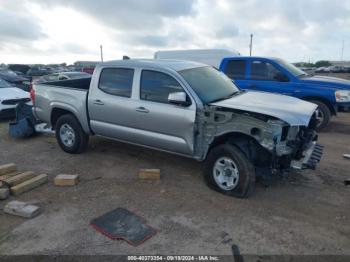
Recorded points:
(343,106)
(312,157)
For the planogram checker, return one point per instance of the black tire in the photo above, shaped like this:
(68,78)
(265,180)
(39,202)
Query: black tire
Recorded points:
(326,113)
(81,139)
(246,171)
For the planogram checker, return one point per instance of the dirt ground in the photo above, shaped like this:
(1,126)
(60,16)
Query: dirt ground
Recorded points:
(308,213)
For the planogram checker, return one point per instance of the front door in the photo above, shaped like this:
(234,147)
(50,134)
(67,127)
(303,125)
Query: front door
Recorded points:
(266,77)
(164,125)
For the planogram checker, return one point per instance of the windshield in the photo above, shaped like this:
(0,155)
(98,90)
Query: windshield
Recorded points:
(4,84)
(291,68)
(209,84)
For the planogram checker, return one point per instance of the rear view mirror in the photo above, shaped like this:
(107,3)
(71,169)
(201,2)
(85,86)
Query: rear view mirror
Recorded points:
(179,98)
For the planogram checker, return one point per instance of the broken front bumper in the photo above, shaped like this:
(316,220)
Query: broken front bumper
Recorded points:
(311,157)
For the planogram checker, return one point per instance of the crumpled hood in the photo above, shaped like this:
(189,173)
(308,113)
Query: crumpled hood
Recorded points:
(12,93)
(331,82)
(292,110)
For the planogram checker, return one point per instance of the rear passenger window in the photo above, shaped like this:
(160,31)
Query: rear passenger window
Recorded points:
(117,81)
(235,69)
(156,86)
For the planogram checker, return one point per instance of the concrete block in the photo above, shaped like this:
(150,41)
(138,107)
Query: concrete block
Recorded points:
(4,177)
(29,184)
(66,180)
(20,178)
(21,209)
(7,168)
(4,193)
(149,174)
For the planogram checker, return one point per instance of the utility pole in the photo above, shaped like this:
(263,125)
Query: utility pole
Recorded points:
(342,51)
(251,45)
(101,51)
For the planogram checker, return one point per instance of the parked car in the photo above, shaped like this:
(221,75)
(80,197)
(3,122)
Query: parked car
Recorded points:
(61,76)
(277,76)
(19,81)
(37,71)
(188,109)
(10,96)
(19,68)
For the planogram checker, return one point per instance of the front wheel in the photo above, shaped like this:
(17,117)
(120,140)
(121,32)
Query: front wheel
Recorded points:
(323,115)
(70,135)
(229,171)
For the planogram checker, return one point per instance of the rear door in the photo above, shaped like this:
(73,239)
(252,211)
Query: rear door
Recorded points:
(111,106)
(268,77)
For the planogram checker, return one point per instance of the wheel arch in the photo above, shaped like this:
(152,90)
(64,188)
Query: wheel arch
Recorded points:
(247,144)
(324,101)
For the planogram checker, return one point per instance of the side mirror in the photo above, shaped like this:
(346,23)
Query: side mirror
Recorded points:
(179,98)
(281,77)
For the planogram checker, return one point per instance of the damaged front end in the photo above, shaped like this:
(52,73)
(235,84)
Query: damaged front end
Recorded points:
(272,145)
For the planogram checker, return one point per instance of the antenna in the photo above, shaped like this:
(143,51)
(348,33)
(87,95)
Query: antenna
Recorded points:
(101,51)
(251,45)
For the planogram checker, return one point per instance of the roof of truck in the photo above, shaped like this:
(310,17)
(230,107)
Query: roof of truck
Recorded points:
(176,65)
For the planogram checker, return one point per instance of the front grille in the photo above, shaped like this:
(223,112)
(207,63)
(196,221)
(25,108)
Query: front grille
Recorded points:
(15,101)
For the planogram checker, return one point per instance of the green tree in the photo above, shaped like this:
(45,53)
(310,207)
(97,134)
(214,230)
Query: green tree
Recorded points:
(322,63)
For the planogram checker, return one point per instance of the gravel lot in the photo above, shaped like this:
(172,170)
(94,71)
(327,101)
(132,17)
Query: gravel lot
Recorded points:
(307,213)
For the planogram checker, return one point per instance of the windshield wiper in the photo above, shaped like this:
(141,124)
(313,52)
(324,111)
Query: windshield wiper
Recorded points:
(226,97)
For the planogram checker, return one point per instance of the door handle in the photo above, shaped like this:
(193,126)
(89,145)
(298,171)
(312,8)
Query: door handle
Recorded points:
(98,102)
(142,109)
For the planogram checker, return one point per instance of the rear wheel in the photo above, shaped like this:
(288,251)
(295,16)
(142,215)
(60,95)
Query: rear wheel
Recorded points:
(323,114)
(70,135)
(229,171)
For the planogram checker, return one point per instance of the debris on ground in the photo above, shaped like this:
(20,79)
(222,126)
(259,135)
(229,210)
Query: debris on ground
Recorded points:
(123,224)
(25,122)
(66,180)
(237,257)
(43,128)
(347,156)
(21,209)
(14,182)
(347,182)
(7,168)
(4,193)
(149,174)
(29,184)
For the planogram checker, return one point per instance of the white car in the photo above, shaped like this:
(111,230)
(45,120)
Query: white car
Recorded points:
(10,96)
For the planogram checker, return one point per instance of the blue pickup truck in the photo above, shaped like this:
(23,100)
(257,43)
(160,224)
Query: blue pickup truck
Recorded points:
(277,76)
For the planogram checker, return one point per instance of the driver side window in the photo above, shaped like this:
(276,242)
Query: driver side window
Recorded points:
(261,70)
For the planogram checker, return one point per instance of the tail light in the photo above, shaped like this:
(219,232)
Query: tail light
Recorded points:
(32,93)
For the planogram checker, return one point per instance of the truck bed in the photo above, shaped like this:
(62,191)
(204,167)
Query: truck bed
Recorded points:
(82,83)
(68,95)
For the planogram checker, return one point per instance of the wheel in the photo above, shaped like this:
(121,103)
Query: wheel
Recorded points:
(229,171)
(323,115)
(70,135)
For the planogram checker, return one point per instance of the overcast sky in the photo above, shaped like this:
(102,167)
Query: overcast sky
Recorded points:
(55,31)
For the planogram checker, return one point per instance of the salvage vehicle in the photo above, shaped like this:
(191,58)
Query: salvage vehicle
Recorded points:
(10,96)
(278,76)
(185,108)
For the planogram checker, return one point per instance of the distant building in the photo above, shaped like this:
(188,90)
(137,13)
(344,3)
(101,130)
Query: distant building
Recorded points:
(89,64)
(340,63)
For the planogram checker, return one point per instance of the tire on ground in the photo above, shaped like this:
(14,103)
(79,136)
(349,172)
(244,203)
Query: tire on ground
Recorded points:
(81,138)
(246,182)
(326,114)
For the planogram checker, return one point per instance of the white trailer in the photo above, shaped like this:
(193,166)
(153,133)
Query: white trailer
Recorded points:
(211,57)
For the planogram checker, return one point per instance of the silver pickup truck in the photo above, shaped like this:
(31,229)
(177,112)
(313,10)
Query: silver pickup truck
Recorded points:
(185,108)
